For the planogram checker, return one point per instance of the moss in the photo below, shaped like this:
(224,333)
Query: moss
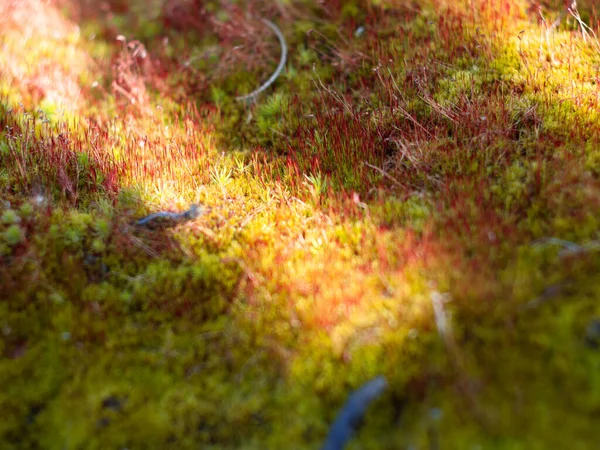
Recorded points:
(429,158)
(592,162)
(13,235)
(269,114)
(10,217)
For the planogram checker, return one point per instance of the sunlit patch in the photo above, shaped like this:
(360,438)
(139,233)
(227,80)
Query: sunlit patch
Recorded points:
(159,147)
(165,158)
(40,58)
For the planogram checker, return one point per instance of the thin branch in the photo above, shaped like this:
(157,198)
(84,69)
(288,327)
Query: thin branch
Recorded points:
(568,247)
(352,413)
(282,60)
(192,213)
(385,174)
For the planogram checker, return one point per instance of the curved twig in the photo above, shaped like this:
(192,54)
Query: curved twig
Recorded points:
(282,60)
(350,417)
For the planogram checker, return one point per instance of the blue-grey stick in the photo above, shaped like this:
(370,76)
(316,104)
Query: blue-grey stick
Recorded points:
(350,417)
(192,213)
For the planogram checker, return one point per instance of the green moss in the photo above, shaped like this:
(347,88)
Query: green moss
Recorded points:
(9,217)
(13,235)
(337,206)
(592,162)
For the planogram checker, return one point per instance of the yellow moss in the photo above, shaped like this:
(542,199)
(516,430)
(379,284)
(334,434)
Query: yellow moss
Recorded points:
(309,272)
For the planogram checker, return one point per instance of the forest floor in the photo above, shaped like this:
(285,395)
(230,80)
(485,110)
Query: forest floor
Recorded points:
(416,196)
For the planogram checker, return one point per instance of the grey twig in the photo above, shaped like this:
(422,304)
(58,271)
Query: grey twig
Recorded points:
(350,417)
(568,247)
(171,217)
(548,294)
(282,60)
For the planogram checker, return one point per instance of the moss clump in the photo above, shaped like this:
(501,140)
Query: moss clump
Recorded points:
(416,196)
(13,235)
(10,217)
